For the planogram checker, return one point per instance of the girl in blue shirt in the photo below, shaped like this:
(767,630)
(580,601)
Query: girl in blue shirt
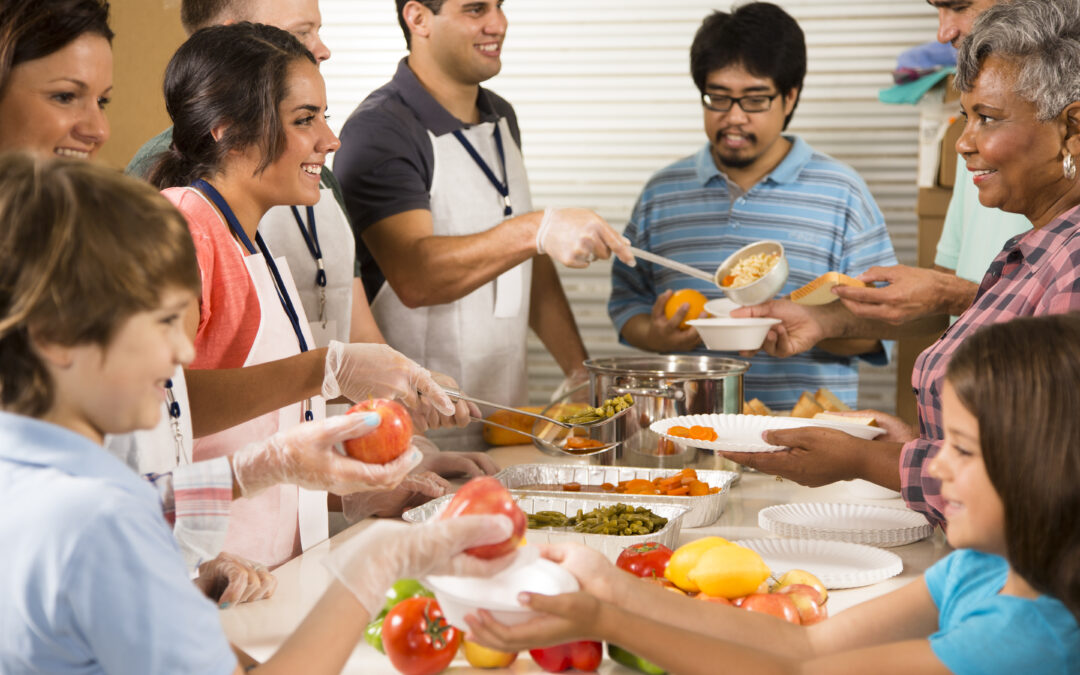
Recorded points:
(96,271)
(1006,602)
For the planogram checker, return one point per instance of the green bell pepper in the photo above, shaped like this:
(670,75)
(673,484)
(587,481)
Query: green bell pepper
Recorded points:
(403,589)
(620,655)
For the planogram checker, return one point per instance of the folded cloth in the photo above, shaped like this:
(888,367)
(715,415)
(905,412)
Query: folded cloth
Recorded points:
(927,56)
(912,92)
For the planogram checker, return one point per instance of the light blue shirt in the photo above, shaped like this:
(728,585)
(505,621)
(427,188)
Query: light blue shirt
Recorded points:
(981,631)
(91,580)
(818,208)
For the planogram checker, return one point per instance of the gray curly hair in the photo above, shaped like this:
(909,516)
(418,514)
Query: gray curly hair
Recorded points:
(1042,37)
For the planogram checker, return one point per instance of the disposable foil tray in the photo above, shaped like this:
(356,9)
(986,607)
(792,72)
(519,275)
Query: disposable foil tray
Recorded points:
(610,545)
(703,510)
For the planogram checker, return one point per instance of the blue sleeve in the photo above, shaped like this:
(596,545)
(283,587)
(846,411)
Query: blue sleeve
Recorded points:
(867,244)
(1004,641)
(936,578)
(132,602)
(632,288)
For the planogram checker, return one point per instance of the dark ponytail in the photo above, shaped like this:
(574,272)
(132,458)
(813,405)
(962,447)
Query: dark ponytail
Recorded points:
(230,77)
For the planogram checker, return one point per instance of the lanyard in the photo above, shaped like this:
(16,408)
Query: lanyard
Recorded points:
(503,186)
(174,419)
(279,285)
(311,238)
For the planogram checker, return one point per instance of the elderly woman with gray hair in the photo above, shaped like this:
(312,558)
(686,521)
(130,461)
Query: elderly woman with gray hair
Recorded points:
(1019,74)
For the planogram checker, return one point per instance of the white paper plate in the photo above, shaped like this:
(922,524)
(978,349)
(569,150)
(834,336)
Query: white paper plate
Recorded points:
(742,433)
(838,564)
(853,523)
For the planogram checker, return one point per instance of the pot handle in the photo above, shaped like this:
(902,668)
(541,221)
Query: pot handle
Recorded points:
(675,394)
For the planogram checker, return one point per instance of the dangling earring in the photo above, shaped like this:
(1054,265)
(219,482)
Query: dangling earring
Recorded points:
(1069,167)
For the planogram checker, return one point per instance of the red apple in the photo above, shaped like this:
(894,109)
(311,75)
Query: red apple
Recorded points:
(389,440)
(777,604)
(487,496)
(807,601)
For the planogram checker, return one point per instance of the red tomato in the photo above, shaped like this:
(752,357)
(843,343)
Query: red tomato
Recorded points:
(584,655)
(648,559)
(417,638)
(487,496)
(392,437)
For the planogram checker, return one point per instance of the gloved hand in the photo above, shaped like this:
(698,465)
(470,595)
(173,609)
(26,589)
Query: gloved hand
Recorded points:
(425,416)
(573,389)
(387,551)
(305,456)
(415,489)
(229,579)
(576,237)
(363,370)
(453,464)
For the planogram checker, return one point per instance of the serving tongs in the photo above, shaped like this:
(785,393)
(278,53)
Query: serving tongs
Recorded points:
(452,393)
(552,422)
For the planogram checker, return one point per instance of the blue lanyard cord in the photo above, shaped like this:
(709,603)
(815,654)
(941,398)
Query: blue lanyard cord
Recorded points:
(311,238)
(503,186)
(279,284)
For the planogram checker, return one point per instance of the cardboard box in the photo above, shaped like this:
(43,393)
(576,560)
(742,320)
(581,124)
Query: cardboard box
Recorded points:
(947,165)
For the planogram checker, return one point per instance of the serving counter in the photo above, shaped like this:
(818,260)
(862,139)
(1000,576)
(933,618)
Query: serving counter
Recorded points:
(259,628)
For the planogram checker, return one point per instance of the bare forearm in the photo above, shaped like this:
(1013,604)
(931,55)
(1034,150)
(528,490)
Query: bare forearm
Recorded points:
(680,649)
(226,397)
(838,322)
(851,347)
(636,332)
(882,465)
(325,639)
(362,326)
(431,270)
(957,294)
(551,319)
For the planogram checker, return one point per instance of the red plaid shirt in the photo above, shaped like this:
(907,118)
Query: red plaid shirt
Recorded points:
(1037,273)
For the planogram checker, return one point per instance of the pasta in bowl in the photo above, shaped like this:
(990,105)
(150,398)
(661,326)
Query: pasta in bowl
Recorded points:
(753,274)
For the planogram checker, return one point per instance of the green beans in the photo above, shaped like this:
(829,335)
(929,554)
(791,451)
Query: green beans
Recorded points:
(607,409)
(617,519)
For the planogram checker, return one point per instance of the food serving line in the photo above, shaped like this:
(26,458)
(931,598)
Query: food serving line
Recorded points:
(260,628)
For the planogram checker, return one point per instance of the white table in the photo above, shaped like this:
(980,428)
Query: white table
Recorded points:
(259,628)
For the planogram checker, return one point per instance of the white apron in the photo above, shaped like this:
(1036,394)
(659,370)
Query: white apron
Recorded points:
(480,339)
(281,521)
(281,234)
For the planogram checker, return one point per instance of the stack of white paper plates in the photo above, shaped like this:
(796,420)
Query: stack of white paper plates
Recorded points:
(742,433)
(853,523)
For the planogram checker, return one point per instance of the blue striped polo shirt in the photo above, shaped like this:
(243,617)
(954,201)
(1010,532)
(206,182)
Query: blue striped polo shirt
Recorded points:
(818,208)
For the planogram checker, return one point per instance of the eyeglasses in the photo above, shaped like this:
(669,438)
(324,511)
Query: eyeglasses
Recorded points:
(754,103)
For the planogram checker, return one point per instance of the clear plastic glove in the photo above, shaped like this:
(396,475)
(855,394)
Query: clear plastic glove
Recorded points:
(305,456)
(576,237)
(360,371)
(387,551)
(453,464)
(415,489)
(229,579)
(573,389)
(425,416)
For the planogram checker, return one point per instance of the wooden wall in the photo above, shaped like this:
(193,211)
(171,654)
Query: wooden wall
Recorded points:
(147,34)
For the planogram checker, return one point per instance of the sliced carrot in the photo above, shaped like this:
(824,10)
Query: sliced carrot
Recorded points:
(679,491)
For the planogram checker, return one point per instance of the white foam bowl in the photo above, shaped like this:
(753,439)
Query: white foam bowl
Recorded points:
(721,307)
(460,596)
(760,290)
(728,334)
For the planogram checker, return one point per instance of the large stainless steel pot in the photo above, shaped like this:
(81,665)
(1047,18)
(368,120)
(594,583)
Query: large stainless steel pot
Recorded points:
(662,387)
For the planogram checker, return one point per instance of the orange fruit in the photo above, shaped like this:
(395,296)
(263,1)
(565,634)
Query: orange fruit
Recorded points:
(685,296)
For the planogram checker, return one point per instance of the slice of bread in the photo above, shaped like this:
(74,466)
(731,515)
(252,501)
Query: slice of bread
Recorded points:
(755,407)
(849,419)
(826,399)
(806,406)
(819,291)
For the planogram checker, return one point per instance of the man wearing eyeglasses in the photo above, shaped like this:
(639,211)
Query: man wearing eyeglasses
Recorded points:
(751,182)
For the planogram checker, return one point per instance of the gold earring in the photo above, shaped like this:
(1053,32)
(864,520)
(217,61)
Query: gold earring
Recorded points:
(1069,166)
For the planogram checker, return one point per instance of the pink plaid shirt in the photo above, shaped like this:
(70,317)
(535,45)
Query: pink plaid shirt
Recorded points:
(1037,273)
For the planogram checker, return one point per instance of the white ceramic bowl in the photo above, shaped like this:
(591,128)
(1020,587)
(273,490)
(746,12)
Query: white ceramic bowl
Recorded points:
(459,596)
(720,307)
(729,335)
(765,288)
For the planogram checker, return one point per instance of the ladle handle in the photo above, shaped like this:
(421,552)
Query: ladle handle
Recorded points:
(671,264)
